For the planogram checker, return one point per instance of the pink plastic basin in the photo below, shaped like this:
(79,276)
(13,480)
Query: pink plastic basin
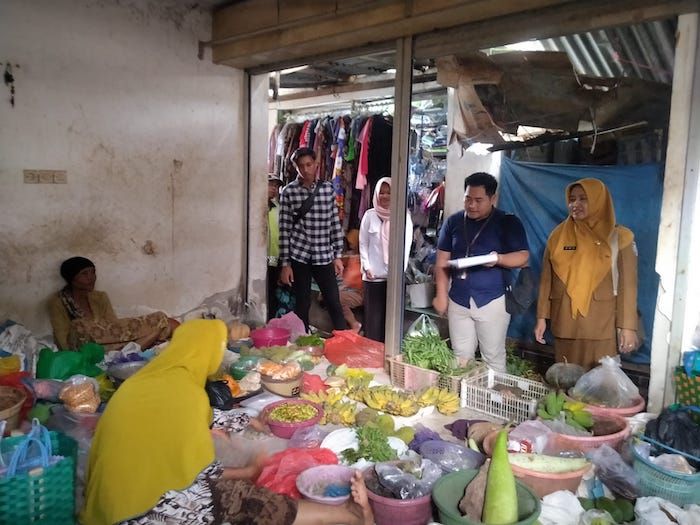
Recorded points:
(543,483)
(564,442)
(286,430)
(269,336)
(598,410)
(313,481)
(390,511)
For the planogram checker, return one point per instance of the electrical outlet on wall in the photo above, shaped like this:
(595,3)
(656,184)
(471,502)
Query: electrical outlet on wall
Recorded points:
(45,176)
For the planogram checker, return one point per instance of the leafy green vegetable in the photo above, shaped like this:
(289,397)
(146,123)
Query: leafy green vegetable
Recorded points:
(309,340)
(430,352)
(517,366)
(374,446)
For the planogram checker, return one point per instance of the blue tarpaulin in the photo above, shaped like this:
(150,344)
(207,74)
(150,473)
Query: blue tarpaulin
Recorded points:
(535,193)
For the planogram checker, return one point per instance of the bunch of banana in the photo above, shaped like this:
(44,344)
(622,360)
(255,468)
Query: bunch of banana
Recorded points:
(574,413)
(385,399)
(340,413)
(357,394)
(447,402)
(376,397)
(356,378)
(329,397)
(401,404)
(429,396)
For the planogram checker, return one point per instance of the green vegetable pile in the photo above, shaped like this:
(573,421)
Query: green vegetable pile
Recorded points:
(620,509)
(517,366)
(429,351)
(374,446)
(309,340)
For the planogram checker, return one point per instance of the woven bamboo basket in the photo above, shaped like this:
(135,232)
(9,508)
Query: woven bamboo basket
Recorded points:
(11,401)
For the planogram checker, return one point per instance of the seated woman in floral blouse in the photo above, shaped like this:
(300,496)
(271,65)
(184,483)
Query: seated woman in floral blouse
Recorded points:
(80,314)
(152,457)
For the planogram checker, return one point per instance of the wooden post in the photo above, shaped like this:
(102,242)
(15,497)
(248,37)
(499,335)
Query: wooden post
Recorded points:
(680,188)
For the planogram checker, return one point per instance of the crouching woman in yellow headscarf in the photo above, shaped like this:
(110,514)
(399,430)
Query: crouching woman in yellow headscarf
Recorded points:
(588,286)
(152,457)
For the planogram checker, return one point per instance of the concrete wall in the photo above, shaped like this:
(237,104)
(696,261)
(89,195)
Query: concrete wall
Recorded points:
(151,138)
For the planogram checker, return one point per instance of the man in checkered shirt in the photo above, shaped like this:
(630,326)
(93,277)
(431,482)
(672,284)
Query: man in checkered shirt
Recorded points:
(311,246)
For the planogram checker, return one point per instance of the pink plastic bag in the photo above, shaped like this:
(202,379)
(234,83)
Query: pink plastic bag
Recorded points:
(312,383)
(347,347)
(281,470)
(289,321)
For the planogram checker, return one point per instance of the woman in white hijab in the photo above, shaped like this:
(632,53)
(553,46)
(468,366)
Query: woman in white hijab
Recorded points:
(374,258)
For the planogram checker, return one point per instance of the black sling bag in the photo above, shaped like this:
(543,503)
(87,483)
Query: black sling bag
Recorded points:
(306,205)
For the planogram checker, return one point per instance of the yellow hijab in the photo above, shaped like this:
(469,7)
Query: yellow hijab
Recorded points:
(580,251)
(154,434)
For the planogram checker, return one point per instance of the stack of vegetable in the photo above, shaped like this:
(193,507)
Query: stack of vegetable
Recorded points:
(428,351)
(373,446)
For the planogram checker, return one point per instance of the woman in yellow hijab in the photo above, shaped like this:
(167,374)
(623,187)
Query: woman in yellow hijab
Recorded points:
(588,286)
(152,457)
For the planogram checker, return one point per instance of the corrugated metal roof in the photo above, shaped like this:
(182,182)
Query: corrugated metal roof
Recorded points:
(642,50)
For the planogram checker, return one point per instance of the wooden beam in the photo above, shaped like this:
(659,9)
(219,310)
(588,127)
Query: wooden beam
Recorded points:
(388,21)
(317,58)
(245,17)
(554,21)
(351,88)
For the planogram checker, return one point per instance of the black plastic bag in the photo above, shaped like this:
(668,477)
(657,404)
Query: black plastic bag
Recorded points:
(675,428)
(219,395)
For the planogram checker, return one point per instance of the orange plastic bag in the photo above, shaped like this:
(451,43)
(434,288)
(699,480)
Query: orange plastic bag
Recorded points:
(281,470)
(347,347)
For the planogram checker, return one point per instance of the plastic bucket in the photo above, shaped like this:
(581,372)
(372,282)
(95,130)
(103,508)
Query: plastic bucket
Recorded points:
(282,387)
(543,483)
(313,481)
(449,490)
(286,430)
(269,336)
(390,511)
(421,294)
(598,410)
(564,442)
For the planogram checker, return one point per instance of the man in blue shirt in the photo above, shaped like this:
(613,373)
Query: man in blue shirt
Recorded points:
(475,304)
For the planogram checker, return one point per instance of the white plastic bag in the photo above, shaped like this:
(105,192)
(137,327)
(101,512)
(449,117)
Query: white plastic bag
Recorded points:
(606,385)
(656,511)
(560,508)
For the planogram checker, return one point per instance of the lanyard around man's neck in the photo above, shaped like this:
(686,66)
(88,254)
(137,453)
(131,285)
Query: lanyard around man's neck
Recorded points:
(470,244)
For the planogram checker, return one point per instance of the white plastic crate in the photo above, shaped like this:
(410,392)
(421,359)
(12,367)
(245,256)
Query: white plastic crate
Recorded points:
(477,394)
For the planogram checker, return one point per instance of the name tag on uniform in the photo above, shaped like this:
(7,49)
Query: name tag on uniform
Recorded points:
(569,248)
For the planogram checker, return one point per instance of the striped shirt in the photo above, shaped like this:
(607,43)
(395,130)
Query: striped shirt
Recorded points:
(317,238)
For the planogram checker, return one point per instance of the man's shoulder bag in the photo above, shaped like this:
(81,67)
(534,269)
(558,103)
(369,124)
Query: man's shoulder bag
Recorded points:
(306,205)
